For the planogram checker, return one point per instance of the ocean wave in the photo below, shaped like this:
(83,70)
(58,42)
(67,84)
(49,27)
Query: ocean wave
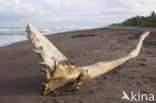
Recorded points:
(12,35)
(12,31)
(7,40)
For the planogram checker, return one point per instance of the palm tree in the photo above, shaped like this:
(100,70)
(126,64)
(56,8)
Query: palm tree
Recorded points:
(153,14)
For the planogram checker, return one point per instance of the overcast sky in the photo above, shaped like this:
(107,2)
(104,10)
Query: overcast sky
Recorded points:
(93,13)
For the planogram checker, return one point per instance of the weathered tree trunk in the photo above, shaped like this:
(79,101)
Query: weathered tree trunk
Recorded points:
(59,71)
(45,48)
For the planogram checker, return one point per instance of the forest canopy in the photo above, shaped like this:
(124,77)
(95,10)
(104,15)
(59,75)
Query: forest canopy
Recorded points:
(139,21)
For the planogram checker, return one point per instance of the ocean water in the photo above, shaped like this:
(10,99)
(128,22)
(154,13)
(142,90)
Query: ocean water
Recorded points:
(12,35)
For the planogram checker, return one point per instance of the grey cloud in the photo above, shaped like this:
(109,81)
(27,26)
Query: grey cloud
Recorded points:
(54,12)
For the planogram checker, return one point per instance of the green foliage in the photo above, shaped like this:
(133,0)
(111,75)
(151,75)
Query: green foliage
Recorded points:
(140,21)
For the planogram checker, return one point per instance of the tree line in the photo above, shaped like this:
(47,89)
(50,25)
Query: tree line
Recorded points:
(139,21)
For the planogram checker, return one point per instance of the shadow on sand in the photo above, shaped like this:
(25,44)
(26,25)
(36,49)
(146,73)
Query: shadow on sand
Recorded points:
(21,86)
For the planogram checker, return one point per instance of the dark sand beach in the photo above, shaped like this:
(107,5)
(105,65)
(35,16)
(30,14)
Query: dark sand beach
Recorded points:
(20,76)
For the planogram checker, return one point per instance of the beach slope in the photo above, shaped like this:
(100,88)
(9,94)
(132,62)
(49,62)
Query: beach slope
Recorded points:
(20,76)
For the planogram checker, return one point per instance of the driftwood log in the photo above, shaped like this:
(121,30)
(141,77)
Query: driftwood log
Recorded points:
(59,71)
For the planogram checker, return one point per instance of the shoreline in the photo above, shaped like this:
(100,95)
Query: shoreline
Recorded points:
(20,75)
(10,36)
(94,28)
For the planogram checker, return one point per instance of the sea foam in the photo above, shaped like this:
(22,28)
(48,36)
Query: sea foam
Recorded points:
(12,35)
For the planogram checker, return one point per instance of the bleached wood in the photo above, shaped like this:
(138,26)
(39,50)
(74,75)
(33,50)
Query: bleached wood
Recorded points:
(44,47)
(100,68)
(63,71)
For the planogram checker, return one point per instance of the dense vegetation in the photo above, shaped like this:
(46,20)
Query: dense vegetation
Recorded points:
(140,21)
